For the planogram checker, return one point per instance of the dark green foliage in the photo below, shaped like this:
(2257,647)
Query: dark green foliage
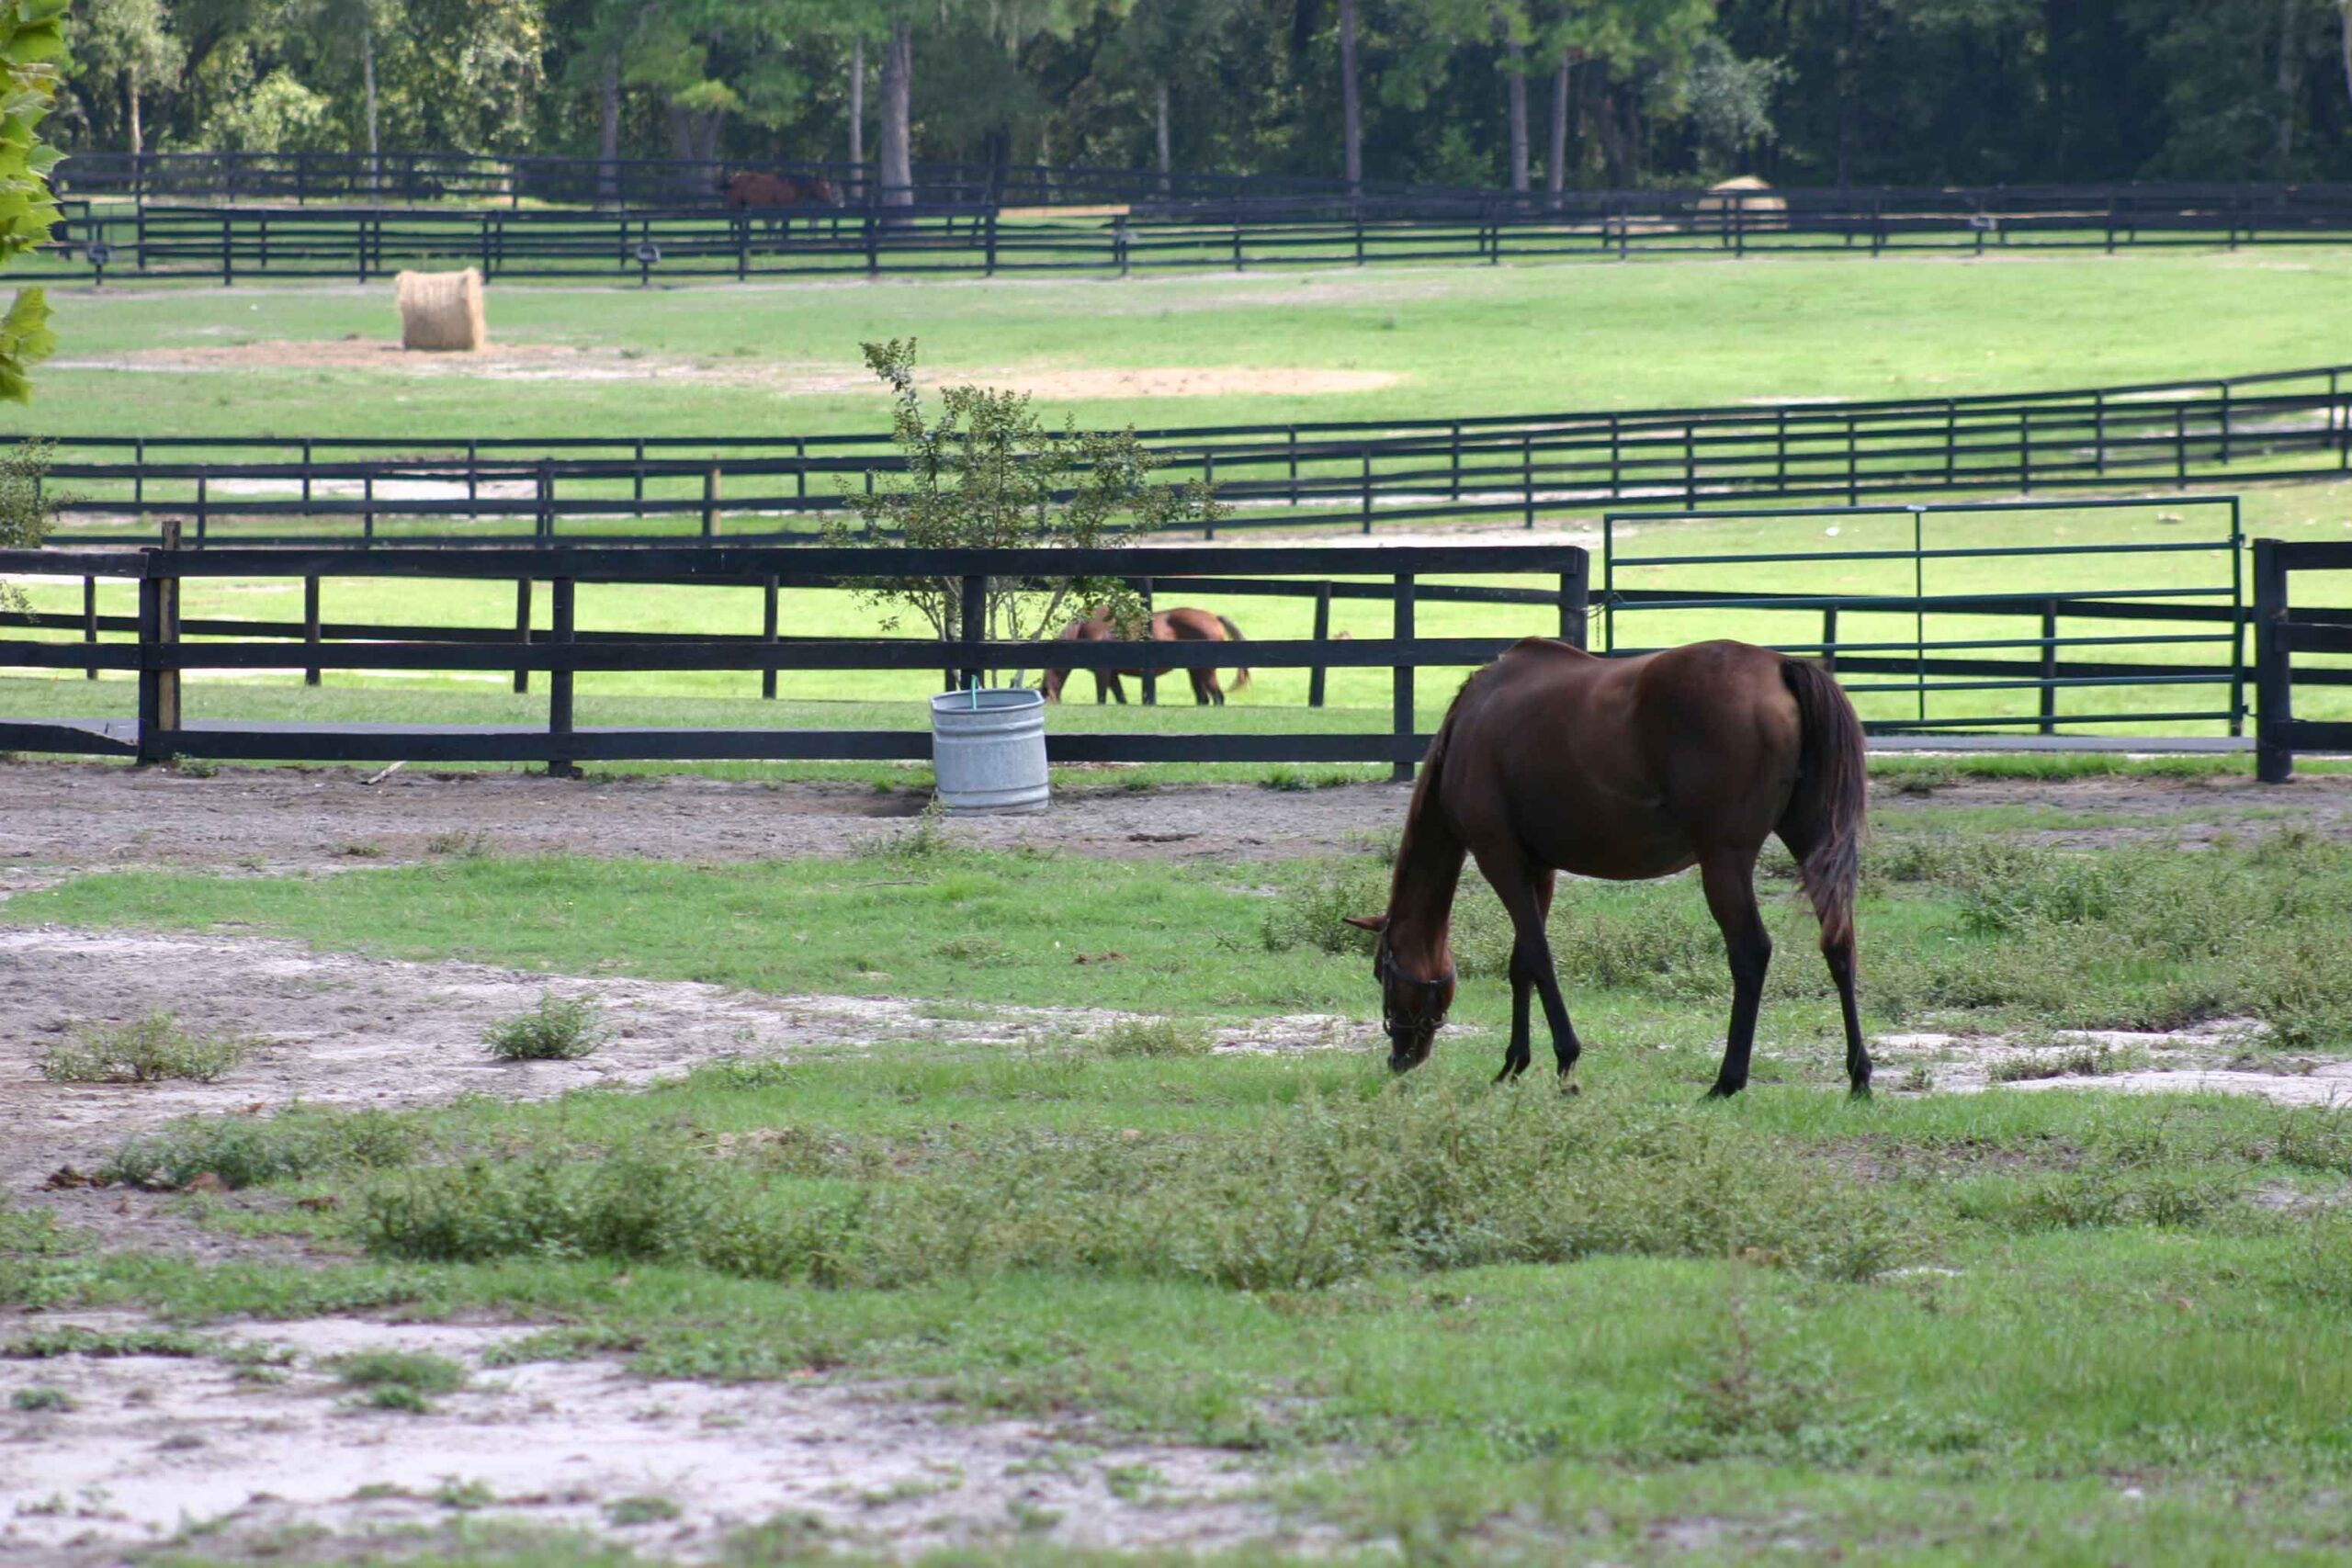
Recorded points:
(559,1029)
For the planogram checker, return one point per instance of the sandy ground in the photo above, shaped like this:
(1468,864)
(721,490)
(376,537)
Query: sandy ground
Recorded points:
(158,1446)
(582,362)
(332,1029)
(63,816)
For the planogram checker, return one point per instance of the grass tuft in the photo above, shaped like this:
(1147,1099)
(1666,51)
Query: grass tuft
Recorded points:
(559,1029)
(150,1051)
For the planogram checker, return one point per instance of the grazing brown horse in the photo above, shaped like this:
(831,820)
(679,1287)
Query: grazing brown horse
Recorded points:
(1551,759)
(1167,626)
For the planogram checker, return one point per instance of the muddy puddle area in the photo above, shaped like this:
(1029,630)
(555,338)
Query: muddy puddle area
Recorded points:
(263,1441)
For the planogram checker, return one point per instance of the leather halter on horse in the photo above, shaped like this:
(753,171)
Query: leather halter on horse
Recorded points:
(1431,992)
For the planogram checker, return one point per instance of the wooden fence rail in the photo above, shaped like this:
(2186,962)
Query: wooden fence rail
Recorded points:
(162,650)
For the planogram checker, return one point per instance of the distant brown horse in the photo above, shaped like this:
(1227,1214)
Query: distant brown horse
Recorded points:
(1551,759)
(750,189)
(1167,626)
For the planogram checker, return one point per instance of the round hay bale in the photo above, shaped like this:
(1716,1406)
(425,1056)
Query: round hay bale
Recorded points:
(441,311)
(1747,201)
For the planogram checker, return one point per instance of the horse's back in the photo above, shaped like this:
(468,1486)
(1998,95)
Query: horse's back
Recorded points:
(1616,767)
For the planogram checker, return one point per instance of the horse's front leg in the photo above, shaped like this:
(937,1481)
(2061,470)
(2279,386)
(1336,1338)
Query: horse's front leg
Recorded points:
(1525,890)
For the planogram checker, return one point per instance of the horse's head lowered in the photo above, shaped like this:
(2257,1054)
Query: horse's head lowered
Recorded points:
(1412,1008)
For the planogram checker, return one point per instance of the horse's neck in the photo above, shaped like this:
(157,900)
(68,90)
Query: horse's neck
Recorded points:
(1420,897)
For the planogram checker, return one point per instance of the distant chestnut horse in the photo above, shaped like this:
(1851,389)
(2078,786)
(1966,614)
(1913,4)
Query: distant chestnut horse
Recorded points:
(749,188)
(1551,759)
(1167,626)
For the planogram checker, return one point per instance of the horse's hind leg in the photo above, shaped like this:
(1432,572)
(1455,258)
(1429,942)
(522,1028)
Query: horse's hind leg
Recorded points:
(1729,876)
(1839,953)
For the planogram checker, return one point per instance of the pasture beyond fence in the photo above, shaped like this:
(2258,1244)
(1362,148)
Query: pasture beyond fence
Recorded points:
(691,241)
(1343,474)
(2069,619)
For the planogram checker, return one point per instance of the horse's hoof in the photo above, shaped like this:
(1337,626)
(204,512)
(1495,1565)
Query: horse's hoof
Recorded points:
(1569,1084)
(1724,1091)
(1859,1091)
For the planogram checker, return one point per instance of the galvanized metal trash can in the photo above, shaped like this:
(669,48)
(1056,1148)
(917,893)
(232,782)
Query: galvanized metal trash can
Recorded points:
(987,749)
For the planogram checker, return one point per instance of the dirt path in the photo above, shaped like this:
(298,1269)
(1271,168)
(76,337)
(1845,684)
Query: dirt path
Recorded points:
(85,815)
(156,1446)
(332,1029)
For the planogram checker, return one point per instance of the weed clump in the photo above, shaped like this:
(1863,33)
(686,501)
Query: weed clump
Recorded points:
(294,1146)
(1317,1193)
(1154,1037)
(153,1049)
(54,1399)
(398,1379)
(559,1029)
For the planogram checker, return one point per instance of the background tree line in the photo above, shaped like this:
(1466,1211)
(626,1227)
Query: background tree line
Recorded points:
(1522,93)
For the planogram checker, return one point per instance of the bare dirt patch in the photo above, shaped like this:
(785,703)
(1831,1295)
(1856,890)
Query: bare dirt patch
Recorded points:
(93,817)
(585,362)
(339,1030)
(155,1446)
(66,816)
(2220,1058)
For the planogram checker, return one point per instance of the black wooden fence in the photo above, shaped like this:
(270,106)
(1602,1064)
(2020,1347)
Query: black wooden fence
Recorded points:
(410,178)
(2282,629)
(683,242)
(165,646)
(1357,474)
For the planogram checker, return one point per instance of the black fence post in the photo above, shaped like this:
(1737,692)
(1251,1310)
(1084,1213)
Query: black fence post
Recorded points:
(543,520)
(2049,666)
(767,632)
(1829,638)
(159,636)
(1576,593)
(710,503)
(1322,635)
(1454,458)
(310,674)
(559,634)
(523,631)
(2274,688)
(1527,478)
(972,627)
(1366,458)
(90,620)
(1150,677)
(1400,674)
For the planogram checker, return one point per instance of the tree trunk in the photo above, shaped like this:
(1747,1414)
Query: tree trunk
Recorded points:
(898,117)
(2290,86)
(368,74)
(1850,87)
(2346,6)
(130,110)
(1166,136)
(858,119)
(1350,103)
(608,133)
(682,134)
(1555,168)
(1515,93)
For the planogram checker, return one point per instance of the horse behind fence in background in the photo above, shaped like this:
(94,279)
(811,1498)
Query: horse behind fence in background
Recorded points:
(1551,759)
(1185,624)
(749,189)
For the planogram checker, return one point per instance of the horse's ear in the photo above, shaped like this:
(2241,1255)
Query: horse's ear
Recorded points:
(1367,922)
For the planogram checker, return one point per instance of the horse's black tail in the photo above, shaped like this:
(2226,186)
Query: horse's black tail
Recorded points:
(1233,634)
(1824,820)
